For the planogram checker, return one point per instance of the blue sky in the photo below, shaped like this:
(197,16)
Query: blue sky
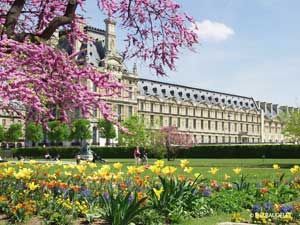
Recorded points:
(248,47)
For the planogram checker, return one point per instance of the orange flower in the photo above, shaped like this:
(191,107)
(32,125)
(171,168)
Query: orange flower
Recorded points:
(264,190)
(76,188)
(63,185)
(123,186)
(3,198)
(181,178)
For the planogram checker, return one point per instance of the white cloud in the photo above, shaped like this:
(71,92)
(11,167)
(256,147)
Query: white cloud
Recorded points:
(213,31)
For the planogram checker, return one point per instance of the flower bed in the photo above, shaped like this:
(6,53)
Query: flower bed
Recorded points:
(145,195)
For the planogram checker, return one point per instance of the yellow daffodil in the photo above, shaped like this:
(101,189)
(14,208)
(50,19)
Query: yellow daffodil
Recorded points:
(276,166)
(131,169)
(118,166)
(23,174)
(293,170)
(68,174)
(32,162)
(213,170)
(155,169)
(226,177)
(140,169)
(81,168)
(168,170)
(92,165)
(237,171)
(158,192)
(188,169)
(32,186)
(184,163)
(159,163)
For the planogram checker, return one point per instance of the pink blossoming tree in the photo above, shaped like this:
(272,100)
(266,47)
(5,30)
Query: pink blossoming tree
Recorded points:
(37,75)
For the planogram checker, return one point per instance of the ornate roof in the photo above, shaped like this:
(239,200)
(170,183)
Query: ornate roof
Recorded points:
(190,94)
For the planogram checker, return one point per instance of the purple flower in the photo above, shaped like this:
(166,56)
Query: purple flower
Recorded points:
(255,209)
(206,193)
(86,193)
(130,199)
(106,196)
(285,209)
(268,206)
(195,192)
(128,183)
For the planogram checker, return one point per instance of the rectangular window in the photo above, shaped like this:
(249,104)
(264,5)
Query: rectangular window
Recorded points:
(129,111)
(202,124)
(209,139)
(208,114)
(208,124)
(186,123)
(235,127)
(201,112)
(229,126)
(222,115)
(241,127)
(142,106)
(151,120)
(216,139)
(223,139)
(178,122)
(216,114)
(186,111)
(194,112)
(151,107)
(170,109)
(223,126)
(241,117)
(202,138)
(120,110)
(160,108)
(170,121)
(216,125)
(130,93)
(94,88)
(178,110)
(95,112)
(161,121)
(195,124)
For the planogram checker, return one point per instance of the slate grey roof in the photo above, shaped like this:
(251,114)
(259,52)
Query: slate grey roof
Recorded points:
(183,93)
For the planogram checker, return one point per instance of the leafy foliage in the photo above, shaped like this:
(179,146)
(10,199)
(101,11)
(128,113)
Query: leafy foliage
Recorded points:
(33,132)
(1,133)
(58,131)
(291,125)
(81,130)
(107,130)
(13,133)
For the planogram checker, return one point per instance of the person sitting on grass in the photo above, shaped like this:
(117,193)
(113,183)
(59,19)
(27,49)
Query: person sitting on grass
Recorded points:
(144,156)
(48,156)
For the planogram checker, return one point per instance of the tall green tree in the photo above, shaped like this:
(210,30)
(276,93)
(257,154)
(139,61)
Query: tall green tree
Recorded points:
(13,133)
(291,122)
(81,130)
(33,132)
(58,131)
(107,130)
(1,133)
(138,134)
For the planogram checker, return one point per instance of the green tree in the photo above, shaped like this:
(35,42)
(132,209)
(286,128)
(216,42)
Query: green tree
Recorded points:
(1,133)
(107,130)
(33,132)
(291,122)
(81,130)
(58,131)
(138,134)
(13,133)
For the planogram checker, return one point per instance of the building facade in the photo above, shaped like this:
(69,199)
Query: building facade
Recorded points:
(209,116)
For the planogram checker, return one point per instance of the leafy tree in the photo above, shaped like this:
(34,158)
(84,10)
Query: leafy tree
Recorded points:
(13,133)
(137,134)
(81,130)
(33,132)
(26,26)
(58,131)
(291,122)
(1,133)
(107,130)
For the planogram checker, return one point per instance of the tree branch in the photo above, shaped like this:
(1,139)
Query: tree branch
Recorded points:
(60,20)
(12,17)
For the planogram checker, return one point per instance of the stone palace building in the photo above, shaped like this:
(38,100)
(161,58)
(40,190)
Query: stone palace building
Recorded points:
(209,116)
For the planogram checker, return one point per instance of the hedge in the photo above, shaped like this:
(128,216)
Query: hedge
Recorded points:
(202,151)
(241,151)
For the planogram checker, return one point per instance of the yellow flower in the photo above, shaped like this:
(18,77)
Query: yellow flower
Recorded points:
(188,169)
(81,168)
(226,177)
(155,169)
(293,170)
(276,166)
(159,163)
(23,174)
(184,163)
(9,171)
(32,186)
(92,165)
(131,169)
(213,170)
(118,166)
(59,163)
(140,169)
(168,170)
(237,171)
(68,174)
(296,167)
(32,162)
(20,164)
(198,175)
(158,192)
